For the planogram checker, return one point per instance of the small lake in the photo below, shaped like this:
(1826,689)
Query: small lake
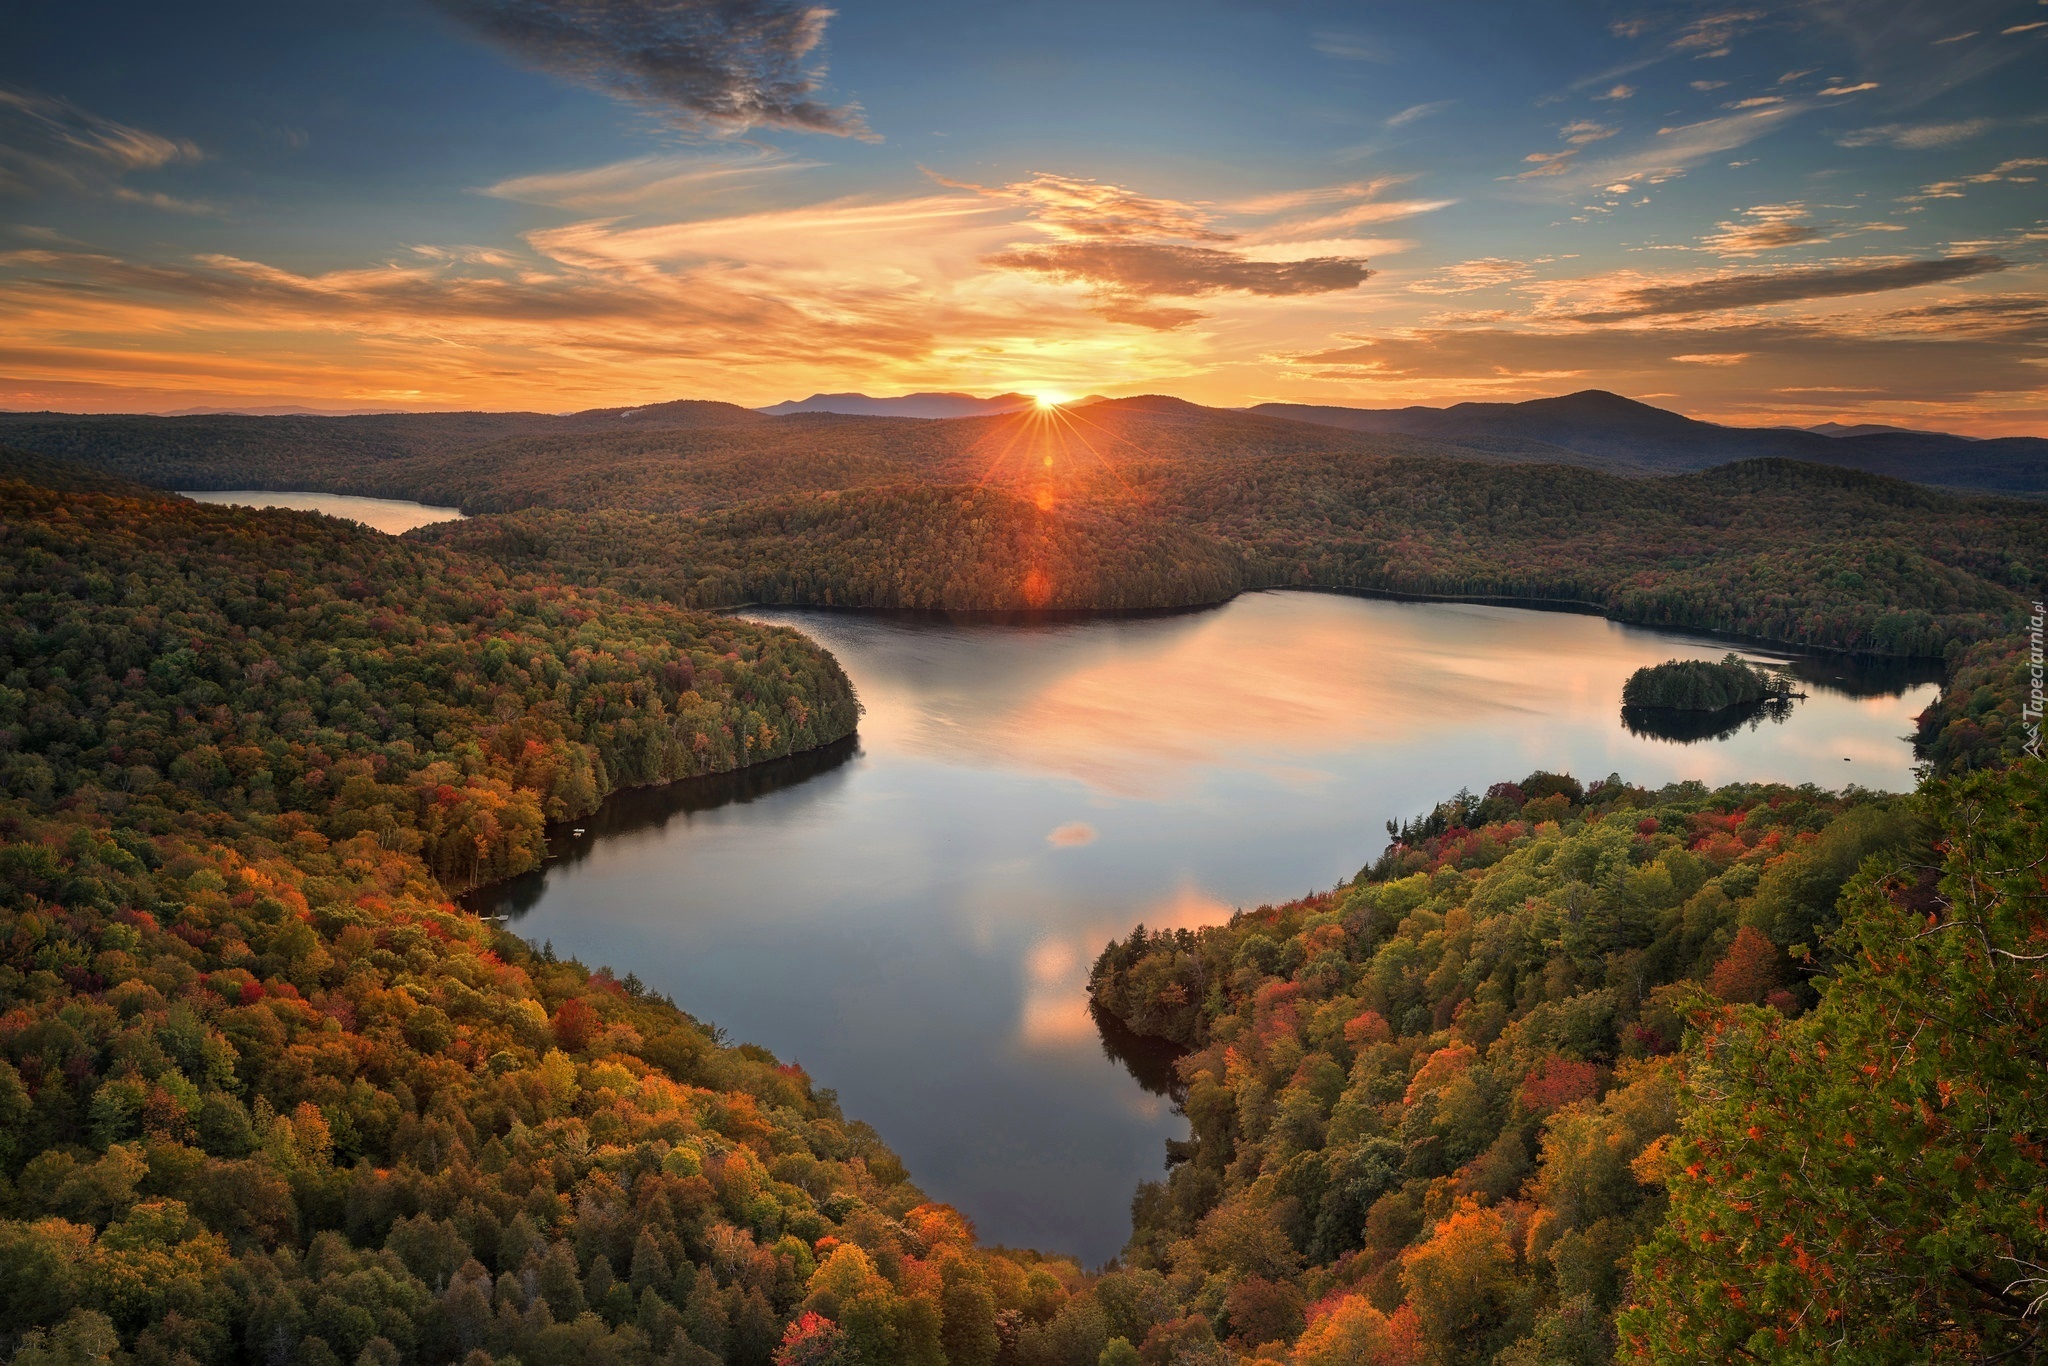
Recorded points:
(912,914)
(391,515)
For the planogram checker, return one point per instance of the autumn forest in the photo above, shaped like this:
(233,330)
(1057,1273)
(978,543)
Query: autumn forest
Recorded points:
(1573,1071)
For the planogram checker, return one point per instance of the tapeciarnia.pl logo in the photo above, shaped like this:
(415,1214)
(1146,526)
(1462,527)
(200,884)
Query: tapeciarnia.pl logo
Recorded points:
(2030,710)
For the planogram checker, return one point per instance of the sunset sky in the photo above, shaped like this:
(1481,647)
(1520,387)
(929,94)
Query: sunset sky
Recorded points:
(1829,209)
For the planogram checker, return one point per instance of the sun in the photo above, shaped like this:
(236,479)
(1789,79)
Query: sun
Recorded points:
(1050,398)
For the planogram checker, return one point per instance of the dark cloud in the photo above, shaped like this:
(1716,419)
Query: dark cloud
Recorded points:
(1126,276)
(1787,286)
(1148,268)
(720,64)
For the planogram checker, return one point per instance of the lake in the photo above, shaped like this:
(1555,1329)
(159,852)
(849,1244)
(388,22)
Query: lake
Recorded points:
(912,914)
(392,515)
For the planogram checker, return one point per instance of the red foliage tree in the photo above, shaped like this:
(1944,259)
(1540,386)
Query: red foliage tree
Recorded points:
(1748,970)
(575,1022)
(1556,1082)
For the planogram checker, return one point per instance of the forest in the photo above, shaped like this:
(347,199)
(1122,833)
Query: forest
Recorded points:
(1574,1074)
(194,663)
(1521,1091)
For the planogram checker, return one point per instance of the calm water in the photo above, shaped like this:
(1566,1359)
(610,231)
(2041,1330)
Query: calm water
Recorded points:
(912,915)
(392,515)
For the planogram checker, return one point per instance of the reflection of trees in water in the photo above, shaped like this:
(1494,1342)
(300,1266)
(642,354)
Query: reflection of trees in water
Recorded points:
(651,808)
(1697,727)
(1150,1061)
(1860,676)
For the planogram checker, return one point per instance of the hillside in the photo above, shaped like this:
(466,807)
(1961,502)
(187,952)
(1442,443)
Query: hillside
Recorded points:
(1442,1113)
(299,668)
(372,454)
(1625,435)
(1799,554)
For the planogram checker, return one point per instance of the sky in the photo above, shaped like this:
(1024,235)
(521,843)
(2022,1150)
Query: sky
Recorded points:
(1783,211)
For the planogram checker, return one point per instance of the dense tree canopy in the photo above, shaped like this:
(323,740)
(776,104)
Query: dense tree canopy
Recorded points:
(1444,1103)
(1870,1181)
(197,663)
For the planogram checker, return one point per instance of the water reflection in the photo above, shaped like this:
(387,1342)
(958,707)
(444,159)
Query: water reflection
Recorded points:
(1690,727)
(650,809)
(915,919)
(389,515)
(1150,1061)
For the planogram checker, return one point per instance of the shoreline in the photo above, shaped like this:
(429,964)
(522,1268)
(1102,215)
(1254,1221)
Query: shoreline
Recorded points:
(1003,616)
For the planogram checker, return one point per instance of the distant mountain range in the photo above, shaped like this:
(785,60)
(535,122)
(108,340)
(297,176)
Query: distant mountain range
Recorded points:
(1621,434)
(1871,429)
(383,451)
(908,405)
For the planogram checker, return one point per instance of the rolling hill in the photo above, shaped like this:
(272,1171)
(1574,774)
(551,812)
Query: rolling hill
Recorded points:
(1633,437)
(702,453)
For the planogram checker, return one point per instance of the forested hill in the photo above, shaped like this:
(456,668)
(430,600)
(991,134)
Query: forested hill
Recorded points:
(698,455)
(1442,1114)
(1800,554)
(289,667)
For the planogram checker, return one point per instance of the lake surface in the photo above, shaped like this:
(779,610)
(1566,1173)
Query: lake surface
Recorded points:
(392,515)
(912,914)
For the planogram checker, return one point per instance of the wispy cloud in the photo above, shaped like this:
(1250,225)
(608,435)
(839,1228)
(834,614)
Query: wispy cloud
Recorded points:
(1360,215)
(712,65)
(50,144)
(1350,47)
(1913,137)
(1677,149)
(1767,227)
(1285,201)
(1466,277)
(1418,111)
(1710,34)
(1074,207)
(646,182)
(2017,170)
(1724,292)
